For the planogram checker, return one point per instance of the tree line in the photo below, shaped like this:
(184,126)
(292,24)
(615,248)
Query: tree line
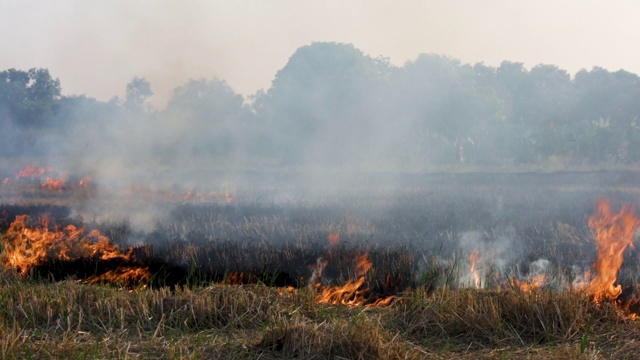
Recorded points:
(334,105)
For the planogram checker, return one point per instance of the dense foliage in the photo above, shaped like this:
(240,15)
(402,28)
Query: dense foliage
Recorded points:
(334,105)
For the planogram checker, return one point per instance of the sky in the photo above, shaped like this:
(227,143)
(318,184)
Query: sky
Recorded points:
(96,47)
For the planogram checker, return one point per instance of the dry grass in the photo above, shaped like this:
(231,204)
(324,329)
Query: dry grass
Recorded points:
(40,319)
(71,320)
(501,318)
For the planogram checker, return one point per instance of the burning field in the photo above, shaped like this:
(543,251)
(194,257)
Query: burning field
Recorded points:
(489,271)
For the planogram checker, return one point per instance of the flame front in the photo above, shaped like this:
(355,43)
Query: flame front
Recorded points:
(125,276)
(613,235)
(26,247)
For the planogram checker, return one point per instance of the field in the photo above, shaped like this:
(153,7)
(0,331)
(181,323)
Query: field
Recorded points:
(426,266)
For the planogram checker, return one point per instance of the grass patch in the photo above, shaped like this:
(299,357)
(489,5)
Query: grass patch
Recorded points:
(71,320)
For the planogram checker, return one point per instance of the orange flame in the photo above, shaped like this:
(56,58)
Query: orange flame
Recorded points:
(33,172)
(188,195)
(53,184)
(124,276)
(614,234)
(352,293)
(26,247)
(473,259)
(229,197)
(528,286)
(334,239)
(240,278)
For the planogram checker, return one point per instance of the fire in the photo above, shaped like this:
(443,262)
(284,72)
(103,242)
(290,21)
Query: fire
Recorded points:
(334,239)
(240,278)
(28,246)
(52,181)
(230,198)
(124,276)
(473,260)
(352,293)
(53,184)
(33,172)
(528,286)
(188,195)
(286,291)
(6,181)
(614,234)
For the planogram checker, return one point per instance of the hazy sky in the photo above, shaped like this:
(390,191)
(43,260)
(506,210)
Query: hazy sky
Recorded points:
(97,47)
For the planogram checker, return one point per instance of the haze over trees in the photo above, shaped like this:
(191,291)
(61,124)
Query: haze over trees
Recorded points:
(334,106)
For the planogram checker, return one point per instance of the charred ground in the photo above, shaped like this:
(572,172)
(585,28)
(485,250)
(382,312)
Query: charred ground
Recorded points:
(413,235)
(418,240)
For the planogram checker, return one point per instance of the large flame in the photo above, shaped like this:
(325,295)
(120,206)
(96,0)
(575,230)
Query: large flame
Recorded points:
(613,235)
(26,247)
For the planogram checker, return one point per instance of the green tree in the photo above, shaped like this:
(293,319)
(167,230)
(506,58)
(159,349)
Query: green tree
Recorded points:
(28,98)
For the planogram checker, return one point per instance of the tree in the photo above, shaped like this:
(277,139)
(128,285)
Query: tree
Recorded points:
(210,115)
(452,101)
(538,103)
(322,104)
(138,91)
(28,98)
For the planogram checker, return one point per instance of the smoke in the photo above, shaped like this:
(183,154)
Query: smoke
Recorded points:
(335,121)
(483,257)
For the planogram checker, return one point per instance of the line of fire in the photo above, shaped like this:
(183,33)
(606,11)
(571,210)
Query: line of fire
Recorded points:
(44,238)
